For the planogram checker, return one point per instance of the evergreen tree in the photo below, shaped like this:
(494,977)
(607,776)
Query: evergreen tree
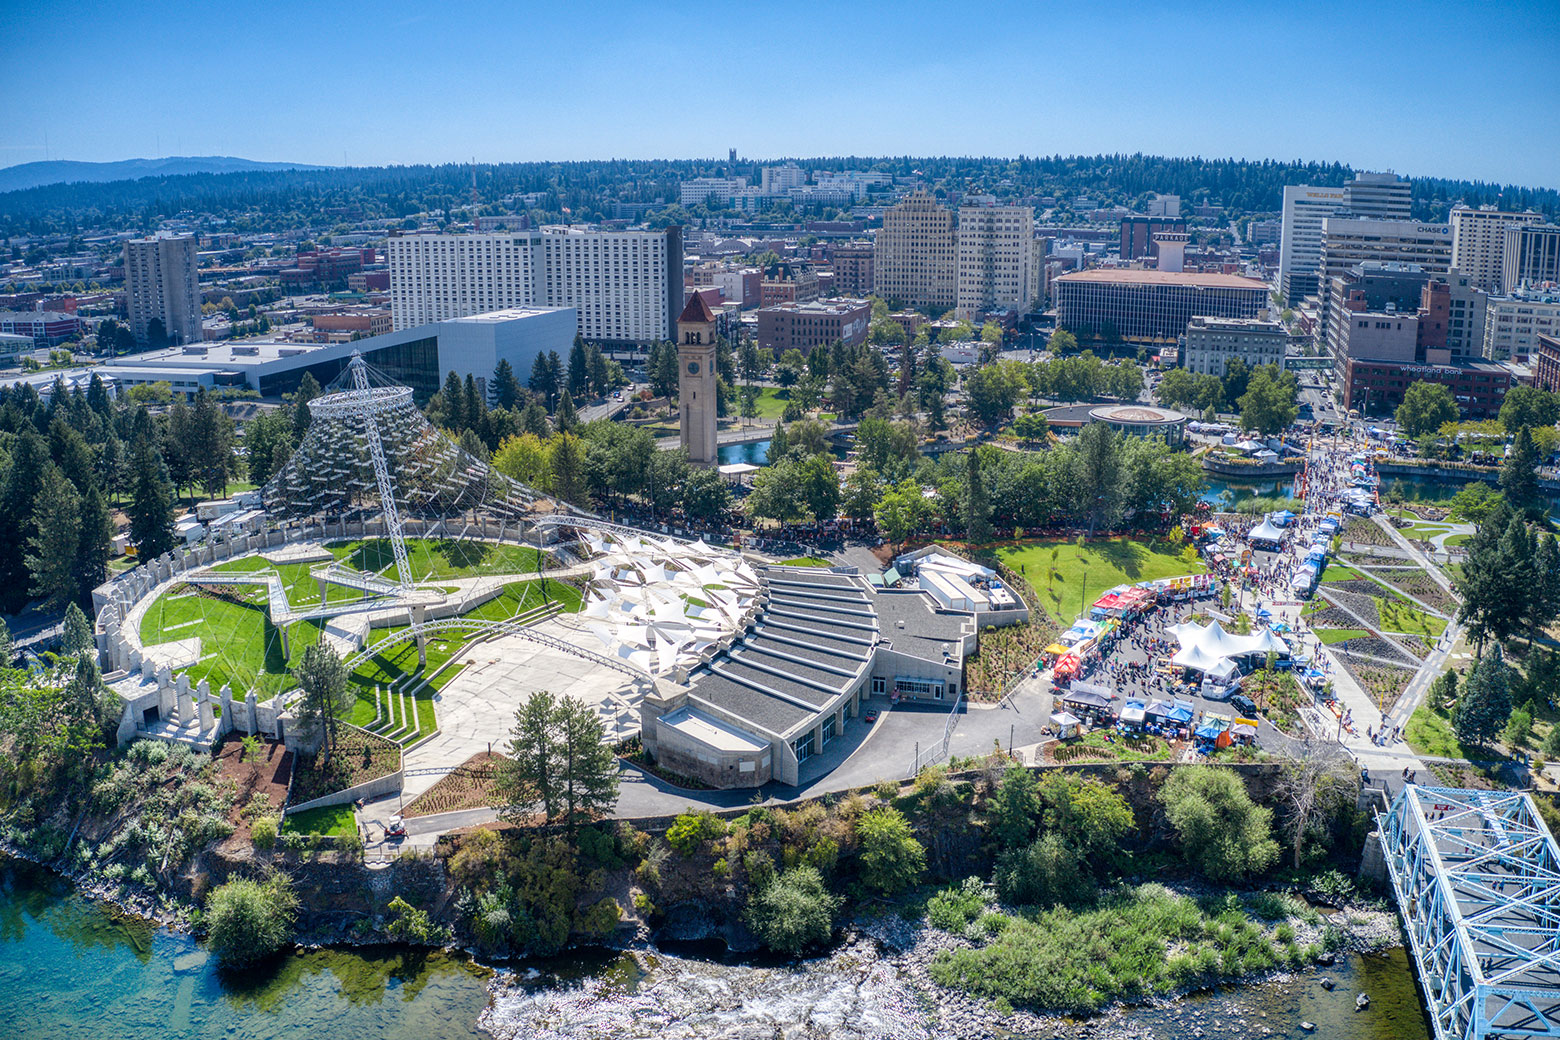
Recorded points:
(1518,578)
(452,404)
(472,406)
(178,446)
(77,638)
(22,481)
(52,547)
(566,419)
(268,441)
(578,382)
(1546,583)
(93,545)
(589,768)
(97,397)
(1519,476)
(5,647)
(151,500)
(557,767)
(977,503)
(210,447)
(533,419)
(1485,705)
(322,679)
(71,453)
(1482,582)
(545,378)
(308,389)
(568,468)
(663,370)
(111,466)
(506,388)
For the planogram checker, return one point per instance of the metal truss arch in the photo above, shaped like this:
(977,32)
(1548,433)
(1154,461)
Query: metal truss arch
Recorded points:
(1477,879)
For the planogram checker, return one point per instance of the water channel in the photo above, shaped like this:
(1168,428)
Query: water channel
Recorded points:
(72,967)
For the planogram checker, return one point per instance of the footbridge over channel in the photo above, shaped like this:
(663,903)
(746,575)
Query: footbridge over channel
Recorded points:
(1477,879)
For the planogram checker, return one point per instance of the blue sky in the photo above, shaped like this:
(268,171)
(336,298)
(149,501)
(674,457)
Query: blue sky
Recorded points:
(1450,89)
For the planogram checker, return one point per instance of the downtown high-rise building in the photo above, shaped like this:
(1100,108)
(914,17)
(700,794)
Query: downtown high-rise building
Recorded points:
(1300,241)
(997,267)
(626,286)
(1479,243)
(161,285)
(1532,256)
(1378,196)
(916,253)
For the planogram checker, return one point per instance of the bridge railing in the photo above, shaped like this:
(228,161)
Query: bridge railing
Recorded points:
(1477,880)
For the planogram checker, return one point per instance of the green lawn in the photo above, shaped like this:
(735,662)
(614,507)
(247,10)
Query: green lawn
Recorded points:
(336,821)
(806,561)
(434,559)
(772,401)
(241,648)
(1338,635)
(1339,572)
(1429,732)
(397,667)
(1082,575)
(1409,619)
(239,645)
(1457,539)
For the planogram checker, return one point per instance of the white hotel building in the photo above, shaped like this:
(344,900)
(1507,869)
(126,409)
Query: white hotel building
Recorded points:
(1479,243)
(625,286)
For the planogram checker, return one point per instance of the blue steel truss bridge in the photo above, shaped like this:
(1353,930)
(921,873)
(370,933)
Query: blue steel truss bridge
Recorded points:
(1477,878)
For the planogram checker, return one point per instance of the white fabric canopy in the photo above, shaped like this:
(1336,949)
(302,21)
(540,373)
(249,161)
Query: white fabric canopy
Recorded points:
(1266,532)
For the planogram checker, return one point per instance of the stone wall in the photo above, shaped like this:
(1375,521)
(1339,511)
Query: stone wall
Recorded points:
(391,783)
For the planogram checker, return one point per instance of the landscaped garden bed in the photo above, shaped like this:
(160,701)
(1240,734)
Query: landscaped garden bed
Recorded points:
(360,757)
(1005,654)
(470,785)
(1109,746)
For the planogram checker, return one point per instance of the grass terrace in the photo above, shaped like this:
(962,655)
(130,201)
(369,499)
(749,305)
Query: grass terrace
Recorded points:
(1078,575)
(332,821)
(806,561)
(395,696)
(240,646)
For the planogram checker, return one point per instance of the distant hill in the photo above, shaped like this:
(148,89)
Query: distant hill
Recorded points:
(61,171)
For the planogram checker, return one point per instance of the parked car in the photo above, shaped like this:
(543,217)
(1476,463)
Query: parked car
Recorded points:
(1243,704)
(870,717)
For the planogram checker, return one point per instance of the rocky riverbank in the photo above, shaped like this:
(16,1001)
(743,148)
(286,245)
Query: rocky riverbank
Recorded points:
(875,984)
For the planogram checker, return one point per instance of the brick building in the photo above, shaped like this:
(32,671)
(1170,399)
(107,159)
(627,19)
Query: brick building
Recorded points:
(808,325)
(853,270)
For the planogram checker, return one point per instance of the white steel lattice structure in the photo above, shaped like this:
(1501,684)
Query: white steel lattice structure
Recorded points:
(369,449)
(1477,878)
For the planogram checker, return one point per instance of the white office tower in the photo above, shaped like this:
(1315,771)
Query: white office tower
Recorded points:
(1300,242)
(996,259)
(1385,196)
(161,284)
(777,180)
(1479,243)
(1532,256)
(626,286)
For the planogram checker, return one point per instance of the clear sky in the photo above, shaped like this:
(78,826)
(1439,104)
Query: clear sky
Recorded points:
(1424,87)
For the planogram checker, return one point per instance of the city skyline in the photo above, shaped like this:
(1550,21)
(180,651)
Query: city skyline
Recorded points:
(622,80)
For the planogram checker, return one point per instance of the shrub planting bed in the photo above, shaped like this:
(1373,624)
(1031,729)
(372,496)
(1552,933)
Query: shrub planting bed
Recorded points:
(469,786)
(359,758)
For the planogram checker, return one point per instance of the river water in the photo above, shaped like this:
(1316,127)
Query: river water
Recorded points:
(72,967)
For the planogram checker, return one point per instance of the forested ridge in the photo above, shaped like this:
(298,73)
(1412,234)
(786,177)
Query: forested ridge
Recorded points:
(587,190)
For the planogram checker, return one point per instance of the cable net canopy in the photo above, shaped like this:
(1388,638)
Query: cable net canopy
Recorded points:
(331,475)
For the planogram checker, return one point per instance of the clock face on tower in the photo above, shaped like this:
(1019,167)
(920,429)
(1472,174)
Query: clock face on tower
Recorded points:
(693,368)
